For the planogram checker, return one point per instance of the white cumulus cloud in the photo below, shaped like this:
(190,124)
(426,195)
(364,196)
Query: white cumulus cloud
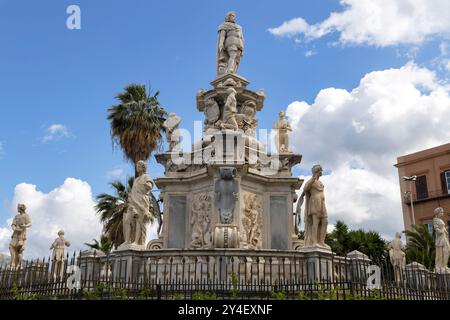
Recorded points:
(358,135)
(55,132)
(69,207)
(379,23)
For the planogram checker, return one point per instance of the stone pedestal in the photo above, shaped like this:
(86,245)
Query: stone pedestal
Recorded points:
(226,236)
(318,263)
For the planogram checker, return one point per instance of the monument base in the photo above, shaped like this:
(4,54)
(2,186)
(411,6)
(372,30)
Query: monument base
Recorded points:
(131,246)
(226,236)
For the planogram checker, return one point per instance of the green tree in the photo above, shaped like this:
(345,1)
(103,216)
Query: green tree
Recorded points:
(338,239)
(421,247)
(342,240)
(137,123)
(104,245)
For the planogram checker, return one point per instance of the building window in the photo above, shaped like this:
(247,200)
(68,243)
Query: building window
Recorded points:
(421,187)
(430,227)
(445,182)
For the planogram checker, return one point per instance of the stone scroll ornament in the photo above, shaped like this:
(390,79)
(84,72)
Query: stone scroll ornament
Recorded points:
(226,189)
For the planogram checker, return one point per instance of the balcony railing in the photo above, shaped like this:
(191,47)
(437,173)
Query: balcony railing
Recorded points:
(424,196)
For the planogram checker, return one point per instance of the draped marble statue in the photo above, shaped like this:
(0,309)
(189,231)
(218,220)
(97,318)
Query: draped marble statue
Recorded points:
(316,217)
(282,129)
(441,241)
(230,45)
(397,255)
(20,224)
(137,216)
(58,256)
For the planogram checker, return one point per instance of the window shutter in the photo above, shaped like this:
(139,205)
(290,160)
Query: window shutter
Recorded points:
(444,183)
(421,187)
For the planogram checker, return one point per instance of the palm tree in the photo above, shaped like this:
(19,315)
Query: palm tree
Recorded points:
(137,123)
(111,209)
(104,245)
(421,247)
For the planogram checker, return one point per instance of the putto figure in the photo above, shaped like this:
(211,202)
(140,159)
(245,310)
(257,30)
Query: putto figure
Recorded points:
(316,217)
(137,216)
(282,129)
(230,46)
(20,224)
(442,242)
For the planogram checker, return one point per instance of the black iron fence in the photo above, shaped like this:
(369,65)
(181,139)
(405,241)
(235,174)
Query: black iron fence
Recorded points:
(217,275)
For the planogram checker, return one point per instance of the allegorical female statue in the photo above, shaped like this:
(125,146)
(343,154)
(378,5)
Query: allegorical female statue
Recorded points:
(20,224)
(397,255)
(316,217)
(230,46)
(137,216)
(442,242)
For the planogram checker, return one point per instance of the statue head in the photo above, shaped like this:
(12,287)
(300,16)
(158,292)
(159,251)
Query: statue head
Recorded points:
(281,114)
(227,173)
(317,170)
(398,235)
(231,91)
(439,212)
(60,233)
(21,208)
(141,167)
(230,17)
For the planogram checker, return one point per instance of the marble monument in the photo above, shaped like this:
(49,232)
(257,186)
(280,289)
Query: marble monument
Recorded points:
(229,192)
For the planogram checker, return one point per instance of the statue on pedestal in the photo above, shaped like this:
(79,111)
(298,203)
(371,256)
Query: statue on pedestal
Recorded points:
(442,242)
(282,128)
(172,132)
(58,256)
(19,226)
(137,216)
(230,111)
(230,46)
(316,217)
(397,256)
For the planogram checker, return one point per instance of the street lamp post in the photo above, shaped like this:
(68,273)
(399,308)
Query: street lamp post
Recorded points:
(411,179)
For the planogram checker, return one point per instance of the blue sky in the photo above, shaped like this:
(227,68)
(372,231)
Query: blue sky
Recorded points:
(51,75)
